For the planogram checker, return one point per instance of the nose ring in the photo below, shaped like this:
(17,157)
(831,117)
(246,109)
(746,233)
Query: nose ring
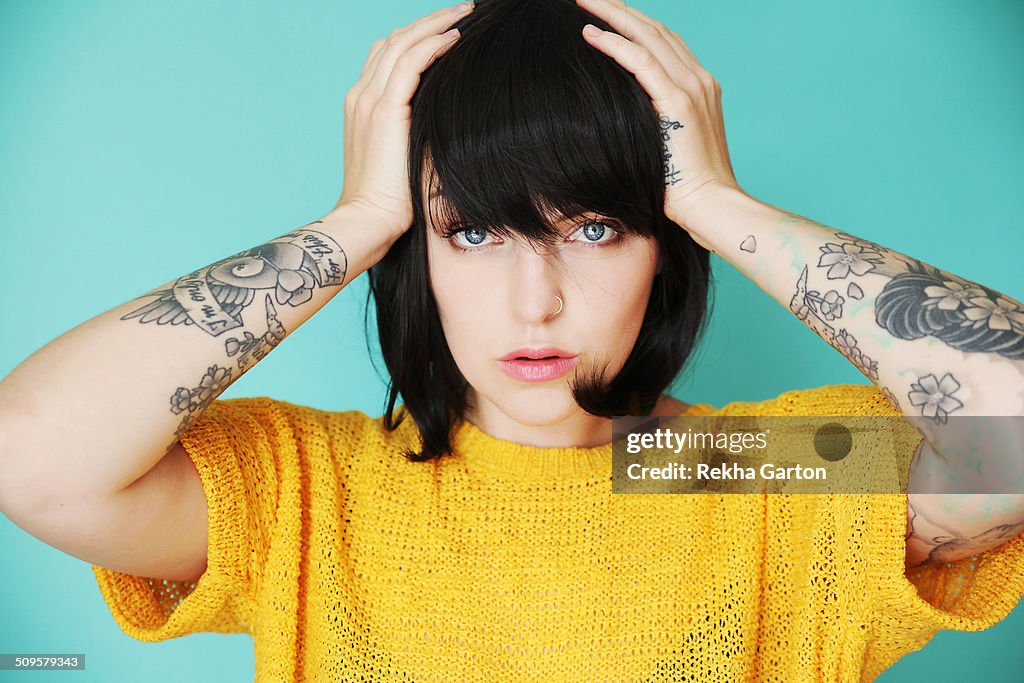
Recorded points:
(559,305)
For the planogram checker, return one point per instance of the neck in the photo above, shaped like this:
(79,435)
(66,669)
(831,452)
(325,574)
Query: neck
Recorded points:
(574,429)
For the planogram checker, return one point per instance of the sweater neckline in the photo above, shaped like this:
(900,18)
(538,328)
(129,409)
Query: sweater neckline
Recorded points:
(509,459)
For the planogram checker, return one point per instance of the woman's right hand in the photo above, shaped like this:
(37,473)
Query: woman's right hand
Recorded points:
(378,114)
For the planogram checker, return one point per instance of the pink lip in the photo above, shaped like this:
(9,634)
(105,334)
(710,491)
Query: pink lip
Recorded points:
(537,370)
(537,352)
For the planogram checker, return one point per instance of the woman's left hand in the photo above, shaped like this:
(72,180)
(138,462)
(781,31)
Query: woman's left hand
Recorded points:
(686,97)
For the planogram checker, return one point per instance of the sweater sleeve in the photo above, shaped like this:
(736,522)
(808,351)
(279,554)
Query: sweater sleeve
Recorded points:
(905,608)
(237,446)
(851,549)
(970,594)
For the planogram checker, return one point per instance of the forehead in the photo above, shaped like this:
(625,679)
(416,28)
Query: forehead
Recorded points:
(514,208)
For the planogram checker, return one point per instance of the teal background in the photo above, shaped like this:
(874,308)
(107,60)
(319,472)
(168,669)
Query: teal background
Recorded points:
(139,141)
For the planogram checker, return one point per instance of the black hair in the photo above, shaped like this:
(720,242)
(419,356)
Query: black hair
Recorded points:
(519,120)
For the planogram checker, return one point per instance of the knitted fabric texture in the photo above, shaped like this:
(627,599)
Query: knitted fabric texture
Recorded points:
(346,562)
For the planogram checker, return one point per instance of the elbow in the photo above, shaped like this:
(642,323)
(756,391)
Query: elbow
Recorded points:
(21,487)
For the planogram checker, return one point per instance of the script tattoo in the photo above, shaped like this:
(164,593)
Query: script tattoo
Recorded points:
(668,125)
(213,298)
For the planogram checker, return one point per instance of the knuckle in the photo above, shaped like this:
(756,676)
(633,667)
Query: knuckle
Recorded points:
(362,107)
(650,29)
(405,61)
(381,109)
(694,87)
(351,97)
(707,81)
(433,16)
(683,99)
(646,60)
(411,58)
(378,44)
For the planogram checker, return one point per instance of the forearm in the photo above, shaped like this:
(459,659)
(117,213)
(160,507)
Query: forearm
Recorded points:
(97,407)
(935,343)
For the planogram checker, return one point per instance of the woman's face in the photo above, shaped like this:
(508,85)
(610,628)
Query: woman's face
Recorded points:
(495,296)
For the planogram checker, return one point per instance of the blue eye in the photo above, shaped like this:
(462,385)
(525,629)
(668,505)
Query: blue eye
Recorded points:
(593,231)
(474,235)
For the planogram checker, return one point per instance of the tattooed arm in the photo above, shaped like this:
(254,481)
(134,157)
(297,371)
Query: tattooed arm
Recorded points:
(99,406)
(94,410)
(934,343)
(939,343)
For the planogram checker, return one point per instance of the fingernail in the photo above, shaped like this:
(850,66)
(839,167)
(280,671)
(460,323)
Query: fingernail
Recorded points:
(591,30)
(462,7)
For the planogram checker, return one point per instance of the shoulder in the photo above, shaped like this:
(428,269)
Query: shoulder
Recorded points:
(831,399)
(669,406)
(283,426)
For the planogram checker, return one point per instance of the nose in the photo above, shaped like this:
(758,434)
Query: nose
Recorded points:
(536,281)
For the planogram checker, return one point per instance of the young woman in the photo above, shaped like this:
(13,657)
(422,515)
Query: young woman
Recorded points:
(535,202)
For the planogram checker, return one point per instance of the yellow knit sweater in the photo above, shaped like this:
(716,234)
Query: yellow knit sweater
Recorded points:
(347,562)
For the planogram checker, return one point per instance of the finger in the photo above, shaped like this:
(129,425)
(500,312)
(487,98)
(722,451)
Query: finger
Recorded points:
(403,39)
(437,20)
(405,77)
(356,90)
(371,59)
(639,27)
(432,18)
(636,25)
(642,63)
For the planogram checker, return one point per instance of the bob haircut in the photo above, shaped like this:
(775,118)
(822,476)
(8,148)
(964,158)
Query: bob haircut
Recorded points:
(519,120)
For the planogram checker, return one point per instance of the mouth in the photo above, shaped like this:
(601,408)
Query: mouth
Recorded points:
(543,353)
(537,365)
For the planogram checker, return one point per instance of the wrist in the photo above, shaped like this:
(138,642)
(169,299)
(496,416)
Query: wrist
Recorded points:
(704,202)
(378,221)
(375,234)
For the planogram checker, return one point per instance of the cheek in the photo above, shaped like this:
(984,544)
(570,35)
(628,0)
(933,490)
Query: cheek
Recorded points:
(452,283)
(461,305)
(623,312)
(624,286)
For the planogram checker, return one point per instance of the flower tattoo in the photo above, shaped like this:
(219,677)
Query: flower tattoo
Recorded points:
(935,397)
(841,259)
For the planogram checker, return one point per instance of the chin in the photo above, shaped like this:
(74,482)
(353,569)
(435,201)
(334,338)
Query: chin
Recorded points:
(537,405)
